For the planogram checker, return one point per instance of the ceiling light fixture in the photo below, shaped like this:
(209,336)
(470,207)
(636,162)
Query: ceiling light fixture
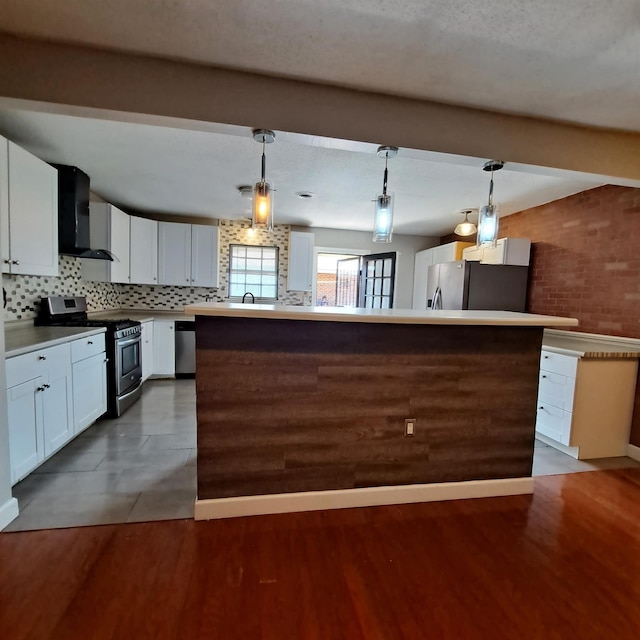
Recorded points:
(383,219)
(262,217)
(466,228)
(488,216)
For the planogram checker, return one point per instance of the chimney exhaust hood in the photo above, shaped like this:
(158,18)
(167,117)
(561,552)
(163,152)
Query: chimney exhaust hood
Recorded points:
(73,215)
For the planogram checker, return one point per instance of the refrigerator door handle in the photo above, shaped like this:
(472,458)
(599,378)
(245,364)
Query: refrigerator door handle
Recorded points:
(437,299)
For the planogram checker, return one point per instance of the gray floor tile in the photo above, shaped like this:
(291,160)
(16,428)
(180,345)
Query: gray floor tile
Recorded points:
(65,461)
(162,505)
(152,459)
(74,511)
(149,479)
(182,440)
(106,443)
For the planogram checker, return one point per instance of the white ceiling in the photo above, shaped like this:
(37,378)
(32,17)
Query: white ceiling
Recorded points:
(195,169)
(572,60)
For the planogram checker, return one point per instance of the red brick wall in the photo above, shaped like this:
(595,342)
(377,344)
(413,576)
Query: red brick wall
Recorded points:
(585,258)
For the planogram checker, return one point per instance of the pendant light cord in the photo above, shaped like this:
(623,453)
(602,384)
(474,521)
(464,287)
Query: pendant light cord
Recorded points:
(491,189)
(386,174)
(264,160)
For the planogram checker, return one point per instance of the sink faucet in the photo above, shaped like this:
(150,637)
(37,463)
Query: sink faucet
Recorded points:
(253,298)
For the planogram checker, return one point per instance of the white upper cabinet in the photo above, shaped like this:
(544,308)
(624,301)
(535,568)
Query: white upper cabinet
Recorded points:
(188,254)
(174,253)
(515,251)
(205,270)
(144,251)
(110,230)
(300,261)
(28,212)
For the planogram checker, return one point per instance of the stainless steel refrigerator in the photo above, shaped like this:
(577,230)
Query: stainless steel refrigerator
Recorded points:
(472,285)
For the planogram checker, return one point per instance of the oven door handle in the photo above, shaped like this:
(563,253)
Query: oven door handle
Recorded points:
(123,343)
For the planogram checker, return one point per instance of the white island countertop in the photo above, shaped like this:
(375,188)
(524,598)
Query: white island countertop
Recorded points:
(380,316)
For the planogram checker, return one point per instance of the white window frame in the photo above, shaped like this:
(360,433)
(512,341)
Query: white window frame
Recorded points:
(253,272)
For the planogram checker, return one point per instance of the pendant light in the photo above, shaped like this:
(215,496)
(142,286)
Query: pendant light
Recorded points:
(488,216)
(262,211)
(466,228)
(383,220)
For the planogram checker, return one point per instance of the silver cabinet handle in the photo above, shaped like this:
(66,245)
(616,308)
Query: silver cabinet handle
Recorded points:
(541,408)
(47,386)
(15,262)
(106,359)
(89,342)
(40,388)
(7,261)
(546,357)
(544,376)
(42,357)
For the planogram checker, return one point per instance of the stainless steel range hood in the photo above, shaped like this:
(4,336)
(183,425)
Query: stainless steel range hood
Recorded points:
(73,215)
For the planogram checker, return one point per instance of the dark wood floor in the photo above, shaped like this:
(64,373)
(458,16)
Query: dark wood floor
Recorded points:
(564,563)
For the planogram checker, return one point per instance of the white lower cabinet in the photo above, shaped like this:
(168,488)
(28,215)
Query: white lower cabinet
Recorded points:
(26,439)
(585,404)
(147,349)
(164,348)
(51,398)
(57,411)
(89,391)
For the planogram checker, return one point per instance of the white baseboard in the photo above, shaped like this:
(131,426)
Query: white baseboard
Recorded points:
(8,512)
(633,452)
(366,497)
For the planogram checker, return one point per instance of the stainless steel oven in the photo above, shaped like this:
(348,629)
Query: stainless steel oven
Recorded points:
(128,366)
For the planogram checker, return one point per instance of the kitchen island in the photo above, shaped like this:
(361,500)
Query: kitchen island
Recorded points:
(307,407)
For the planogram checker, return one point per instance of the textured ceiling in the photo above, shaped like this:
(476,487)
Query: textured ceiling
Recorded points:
(571,60)
(161,169)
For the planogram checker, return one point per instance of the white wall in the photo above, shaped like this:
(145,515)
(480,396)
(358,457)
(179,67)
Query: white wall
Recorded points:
(405,246)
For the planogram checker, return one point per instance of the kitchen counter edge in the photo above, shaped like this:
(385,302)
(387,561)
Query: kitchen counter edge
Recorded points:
(380,316)
(21,340)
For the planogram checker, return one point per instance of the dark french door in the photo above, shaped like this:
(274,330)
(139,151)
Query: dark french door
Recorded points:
(377,280)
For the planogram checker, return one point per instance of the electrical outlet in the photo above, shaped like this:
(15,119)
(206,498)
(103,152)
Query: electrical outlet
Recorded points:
(409,427)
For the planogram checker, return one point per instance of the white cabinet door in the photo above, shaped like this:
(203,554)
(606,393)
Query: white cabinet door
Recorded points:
(5,252)
(144,251)
(444,253)
(89,391)
(147,349)
(57,411)
(33,214)
(24,407)
(109,229)
(204,256)
(423,260)
(119,245)
(300,261)
(164,348)
(174,253)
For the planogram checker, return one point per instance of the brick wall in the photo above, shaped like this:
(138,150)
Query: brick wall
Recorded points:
(585,258)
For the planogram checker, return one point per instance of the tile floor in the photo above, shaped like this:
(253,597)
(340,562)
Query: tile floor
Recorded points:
(142,467)
(137,468)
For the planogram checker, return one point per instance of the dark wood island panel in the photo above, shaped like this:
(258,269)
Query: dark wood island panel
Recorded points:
(296,405)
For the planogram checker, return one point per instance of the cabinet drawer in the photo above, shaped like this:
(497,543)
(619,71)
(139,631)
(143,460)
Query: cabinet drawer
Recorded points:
(554,423)
(87,347)
(557,363)
(556,389)
(51,360)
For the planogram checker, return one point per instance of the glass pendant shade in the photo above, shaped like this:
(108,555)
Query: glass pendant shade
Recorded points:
(465,228)
(262,217)
(383,220)
(488,225)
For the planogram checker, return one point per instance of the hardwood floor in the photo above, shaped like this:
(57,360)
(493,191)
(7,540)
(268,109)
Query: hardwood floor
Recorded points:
(563,563)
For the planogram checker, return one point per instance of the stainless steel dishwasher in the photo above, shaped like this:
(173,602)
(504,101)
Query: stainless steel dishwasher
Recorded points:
(185,349)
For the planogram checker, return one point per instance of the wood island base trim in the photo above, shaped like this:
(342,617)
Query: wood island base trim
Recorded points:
(367,497)
(633,452)
(8,512)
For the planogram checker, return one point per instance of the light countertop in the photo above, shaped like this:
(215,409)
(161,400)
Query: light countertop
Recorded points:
(25,339)
(141,315)
(590,345)
(381,316)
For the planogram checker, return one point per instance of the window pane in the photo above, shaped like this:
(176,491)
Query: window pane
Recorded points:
(377,289)
(369,286)
(386,286)
(378,268)
(387,267)
(385,302)
(253,269)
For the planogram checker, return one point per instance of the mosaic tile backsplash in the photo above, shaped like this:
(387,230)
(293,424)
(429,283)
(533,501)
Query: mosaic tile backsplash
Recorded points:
(24,292)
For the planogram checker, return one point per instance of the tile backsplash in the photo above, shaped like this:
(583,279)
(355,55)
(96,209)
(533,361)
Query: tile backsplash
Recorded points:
(24,292)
